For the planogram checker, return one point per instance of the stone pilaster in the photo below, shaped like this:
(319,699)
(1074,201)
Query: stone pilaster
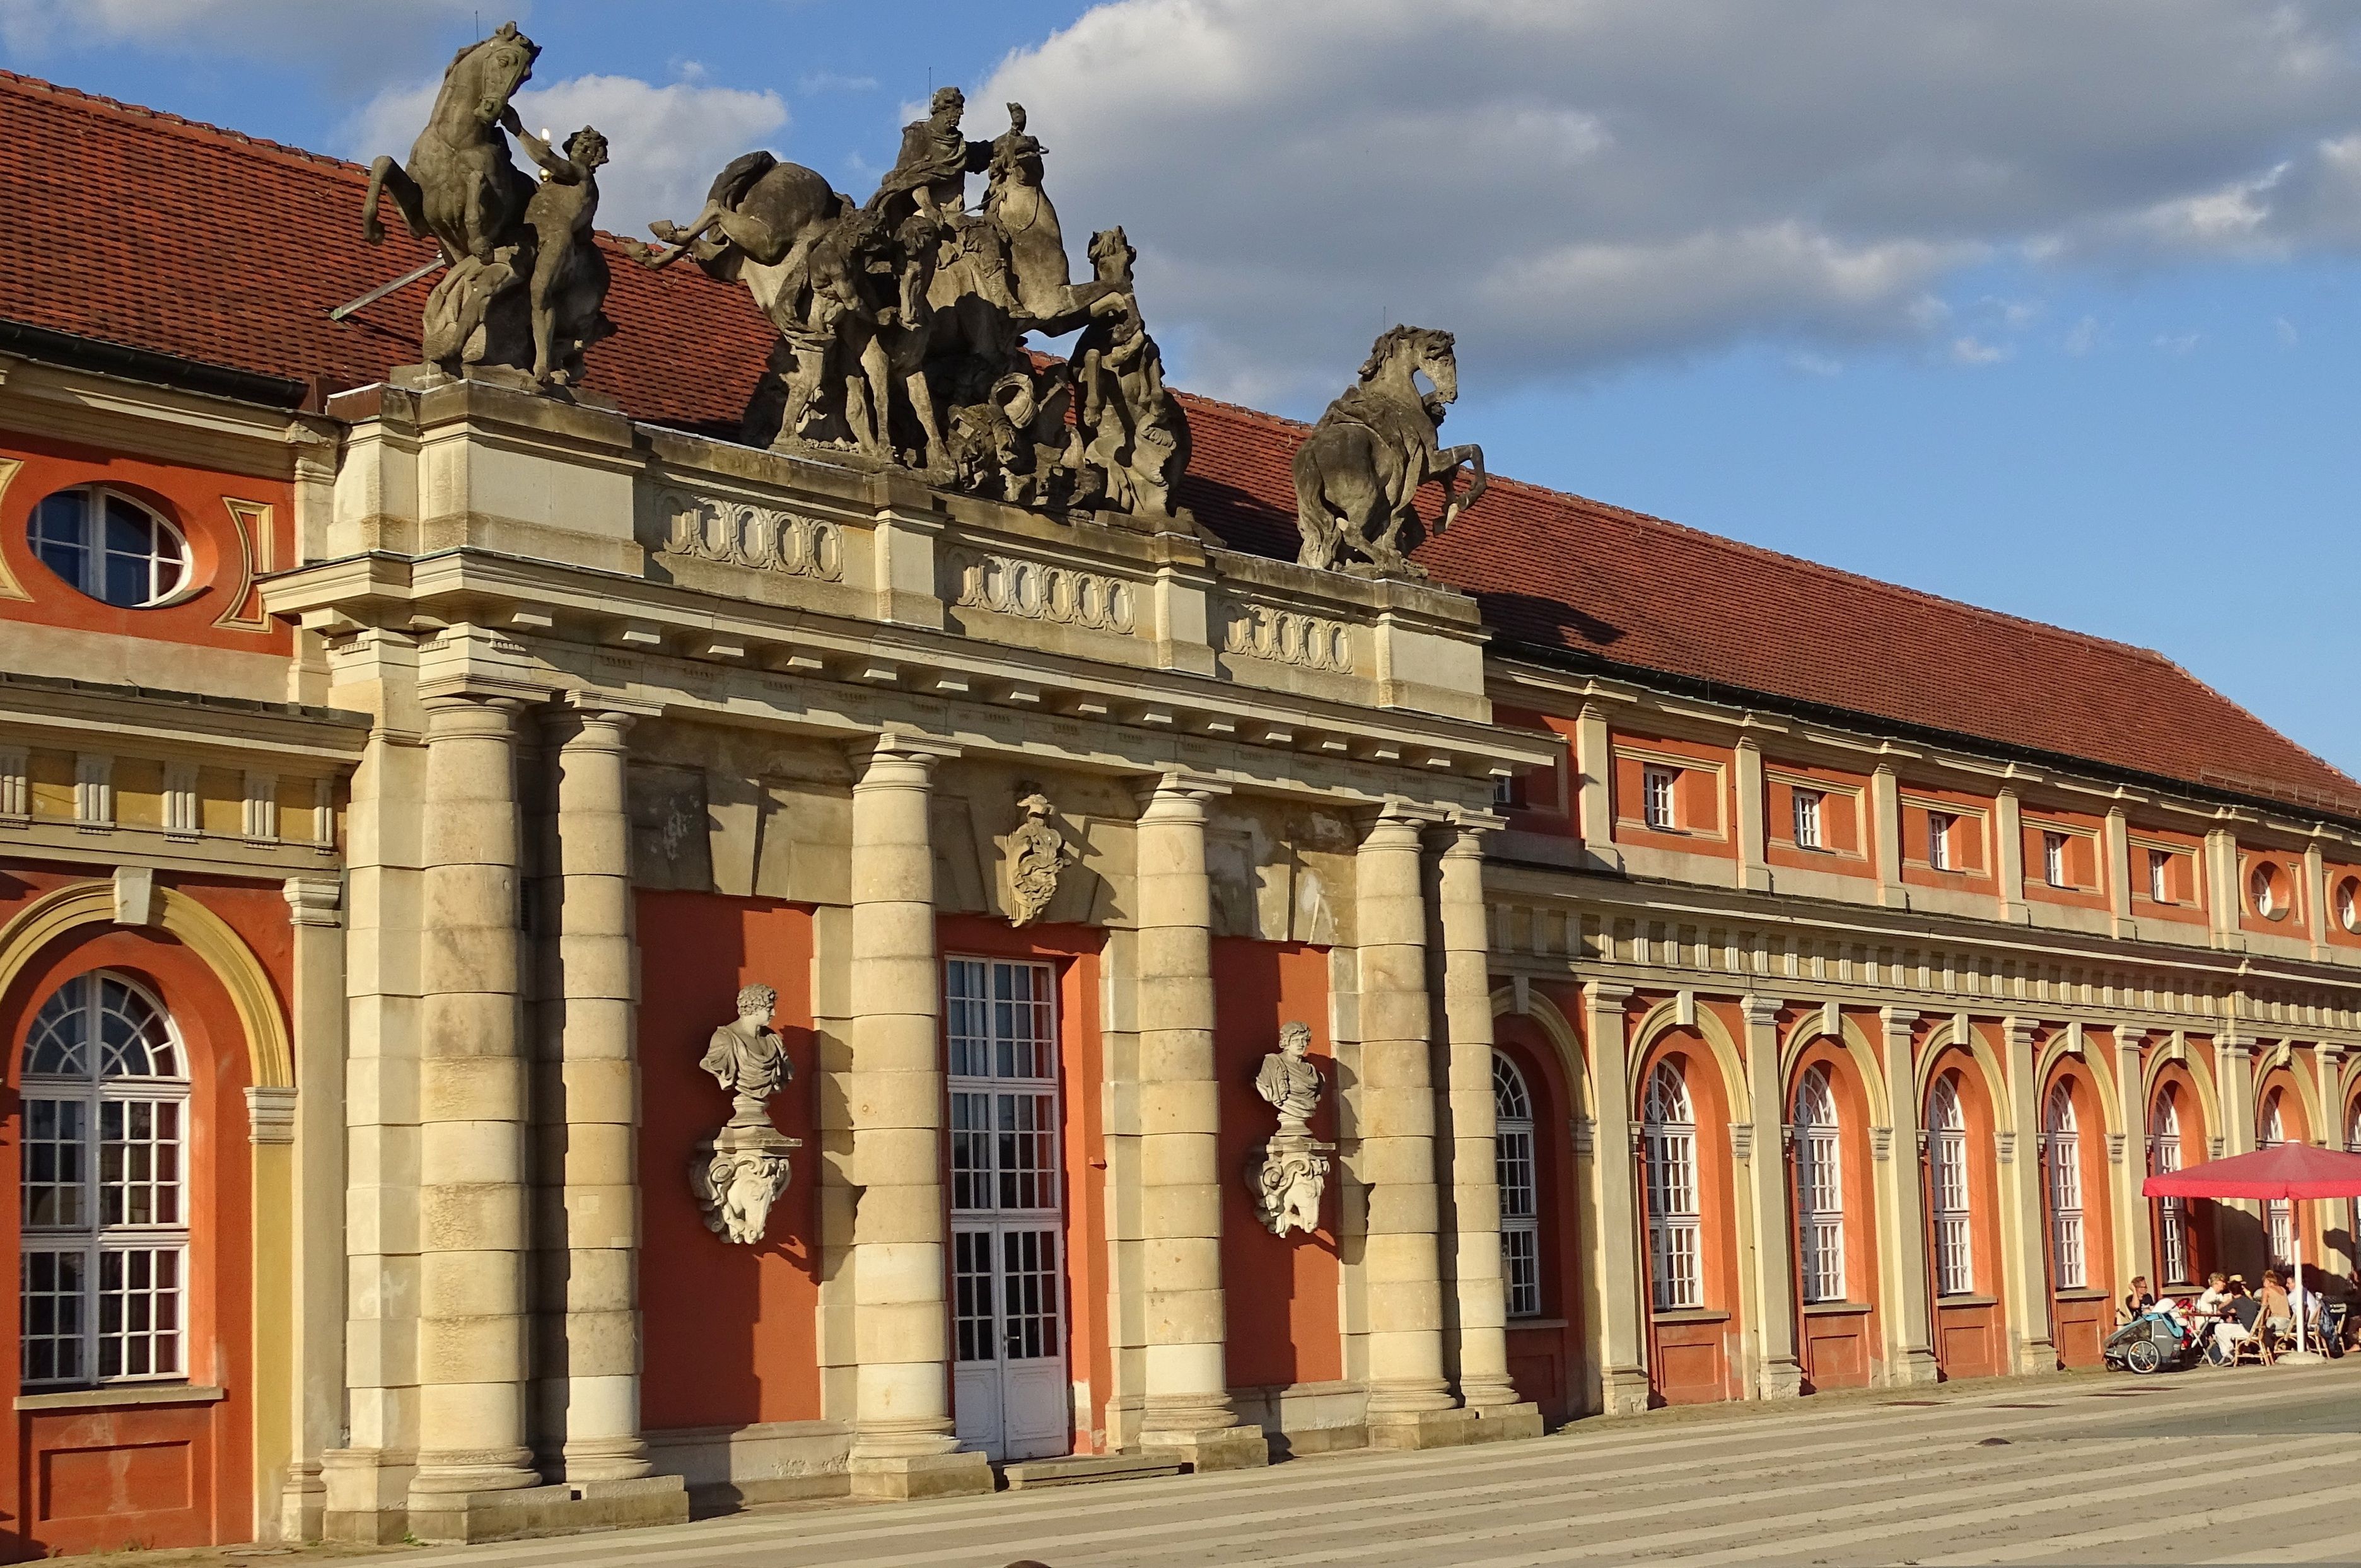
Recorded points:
(2025,1207)
(2136,1237)
(903,1445)
(1411,1404)
(472,1203)
(317,1325)
(1477,1302)
(1615,1234)
(586,1100)
(1902,1213)
(1188,1412)
(1778,1374)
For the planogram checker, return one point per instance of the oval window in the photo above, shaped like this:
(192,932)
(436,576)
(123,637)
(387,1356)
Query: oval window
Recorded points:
(2263,888)
(109,546)
(2348,904)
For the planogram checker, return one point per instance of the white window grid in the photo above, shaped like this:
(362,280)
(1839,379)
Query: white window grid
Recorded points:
(1674,1242)
(2160,876)
(102,1274)
(2053,859)
(1820,1189)
(1521,1252)
(1938,839)
(1948,1153)
(2062,1136)
(1808,819)
(2172,1213)
(1007,1278)
(110,546)
(1659,797)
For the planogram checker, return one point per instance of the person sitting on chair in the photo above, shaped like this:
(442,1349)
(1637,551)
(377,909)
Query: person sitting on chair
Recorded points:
(2240,1313)
(2278,1313)
(2138,1299)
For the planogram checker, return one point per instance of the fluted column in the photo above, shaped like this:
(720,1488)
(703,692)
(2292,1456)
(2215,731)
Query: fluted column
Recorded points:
(587,1098)
(1615,1257)
(1778,1374)
(1478,1299)
(472,1193)
(1188,1402)
(902,1436)
(1902,1214)
(1410,1403)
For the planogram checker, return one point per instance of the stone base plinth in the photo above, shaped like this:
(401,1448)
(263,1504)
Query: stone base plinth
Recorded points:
(1916,1369)
(1624,1391)
(1422,1429)
(1781,1380)
(1222,1447)
(900,1476)
(1504,1423)
(464,1518)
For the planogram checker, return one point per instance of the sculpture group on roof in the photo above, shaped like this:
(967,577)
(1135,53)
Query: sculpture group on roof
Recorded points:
(903,321)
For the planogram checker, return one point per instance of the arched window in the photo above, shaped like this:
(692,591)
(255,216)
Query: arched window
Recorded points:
(111,547)
(1669,1138)
(1520,1238)
(2063,1144)
(2278,1213)
(1946,1154)
(106,1216)
(1820,1189)
(2172,1213)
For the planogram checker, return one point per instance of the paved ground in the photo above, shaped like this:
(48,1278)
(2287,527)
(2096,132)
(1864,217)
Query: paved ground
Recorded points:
(2255,1465)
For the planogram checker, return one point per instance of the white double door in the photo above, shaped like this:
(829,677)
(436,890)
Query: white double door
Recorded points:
(1010,1386)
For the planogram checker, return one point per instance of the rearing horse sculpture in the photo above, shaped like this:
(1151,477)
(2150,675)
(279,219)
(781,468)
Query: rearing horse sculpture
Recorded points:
(1358,473)
(461,187)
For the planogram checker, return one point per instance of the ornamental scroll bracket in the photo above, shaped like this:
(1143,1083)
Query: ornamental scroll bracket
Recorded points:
(738,1170)
(1287,1172)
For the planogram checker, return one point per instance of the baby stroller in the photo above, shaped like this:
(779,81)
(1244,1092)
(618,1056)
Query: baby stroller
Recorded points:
(2152,1342)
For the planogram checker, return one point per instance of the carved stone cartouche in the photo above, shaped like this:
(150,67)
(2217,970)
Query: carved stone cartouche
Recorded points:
(1288,1173)
(1036,853)
(738,1170)
(1356,475)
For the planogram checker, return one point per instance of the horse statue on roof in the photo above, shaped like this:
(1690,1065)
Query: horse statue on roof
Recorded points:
(1358,474)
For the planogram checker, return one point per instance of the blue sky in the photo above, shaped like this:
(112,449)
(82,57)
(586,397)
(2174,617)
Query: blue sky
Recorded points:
(2057,311)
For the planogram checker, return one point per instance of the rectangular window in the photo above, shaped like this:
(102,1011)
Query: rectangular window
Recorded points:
(1954,1263)
(1673,1219)
(2172,1213)
(1658,800)
(2160,876)
(1807,820)
(1821,1193)
(2053,859)
(2066,1211)
(1938,839)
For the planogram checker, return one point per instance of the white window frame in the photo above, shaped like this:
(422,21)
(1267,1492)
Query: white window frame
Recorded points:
(2160,876)
(1938,839)
(2263,890)
(1808,804)
(167,570)
(1660,799)
(989,1191)
(1948,1190)
(2053,858)
(1820,1189)
(2062,1143)
(2172,1213)
(2278,1213)
(1519,1174)
(1669,1149)
(139,1325)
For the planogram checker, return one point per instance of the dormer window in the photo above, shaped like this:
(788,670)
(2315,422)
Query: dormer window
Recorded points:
(1807,820)
(1659,796)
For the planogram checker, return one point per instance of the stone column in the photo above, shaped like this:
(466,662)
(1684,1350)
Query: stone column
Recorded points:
(588,1100)
(2025,1207)
(1615,1257)
(472,1203)
(2136,1250)
(1478,1299)
(318,1326)
(1902,1210)
(1779,1376)
(1188,1412)
(903,1445)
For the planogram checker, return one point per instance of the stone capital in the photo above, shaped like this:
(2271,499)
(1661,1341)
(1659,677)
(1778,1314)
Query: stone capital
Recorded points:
(1760,1011)
(314,901)
(1397,824)
(1466,832)
(588,705)
(1601,996)
(898,758)
(1898,1021)
(1177,794)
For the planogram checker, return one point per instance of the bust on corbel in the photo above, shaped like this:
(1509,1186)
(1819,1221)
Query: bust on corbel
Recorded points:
(1287,1172)
(738,1170)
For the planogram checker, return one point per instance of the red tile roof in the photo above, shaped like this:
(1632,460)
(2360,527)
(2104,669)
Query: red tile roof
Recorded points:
(155,233)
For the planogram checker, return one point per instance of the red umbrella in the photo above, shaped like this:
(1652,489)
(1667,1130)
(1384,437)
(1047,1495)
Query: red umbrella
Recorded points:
(2285,1170)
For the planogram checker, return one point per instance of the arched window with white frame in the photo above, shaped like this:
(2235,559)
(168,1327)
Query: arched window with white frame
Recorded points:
(1521,1235)
(1668,1129)
(2278,1213)
(105,1243)
(1820,1189)
(2061,1139)
(2172,1213)
(1947,1157)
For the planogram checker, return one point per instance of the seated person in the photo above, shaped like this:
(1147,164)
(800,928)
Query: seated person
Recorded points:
(2215,1298)
(2237,1326)
(2138,1299)
(2278,1313)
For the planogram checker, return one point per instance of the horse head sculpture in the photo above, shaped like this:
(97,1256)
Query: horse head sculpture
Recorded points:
(1357,472)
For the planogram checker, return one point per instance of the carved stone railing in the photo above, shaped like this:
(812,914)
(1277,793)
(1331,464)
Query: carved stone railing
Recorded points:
(1040,590)
(740,533)
(1254,630)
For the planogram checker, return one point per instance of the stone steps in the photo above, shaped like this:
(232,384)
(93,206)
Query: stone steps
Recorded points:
(1081,1469)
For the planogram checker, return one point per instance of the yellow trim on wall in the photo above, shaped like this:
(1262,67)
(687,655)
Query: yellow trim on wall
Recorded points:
(9,587)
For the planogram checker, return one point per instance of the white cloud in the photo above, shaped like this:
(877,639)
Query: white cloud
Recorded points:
(2178,344)
(2288,335)
(666,142)
(1972,350)
(2084,338)
(834,81)
(1572,186)
(346,41)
